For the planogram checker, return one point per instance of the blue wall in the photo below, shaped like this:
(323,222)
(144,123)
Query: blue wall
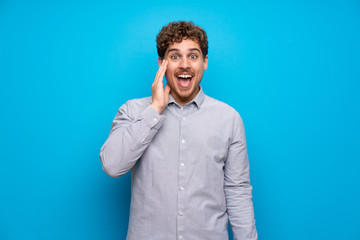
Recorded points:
(291,69)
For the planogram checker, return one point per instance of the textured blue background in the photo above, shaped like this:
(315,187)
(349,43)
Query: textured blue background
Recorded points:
(290,68)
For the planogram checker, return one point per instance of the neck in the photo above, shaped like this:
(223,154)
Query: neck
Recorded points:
(183,101)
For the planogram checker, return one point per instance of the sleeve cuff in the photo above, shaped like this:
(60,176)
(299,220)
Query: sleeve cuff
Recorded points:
(152,118)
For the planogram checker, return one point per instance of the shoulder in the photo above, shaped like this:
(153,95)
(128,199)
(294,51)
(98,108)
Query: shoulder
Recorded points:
(226,115)
(134,107)
(139,102)
(220,108)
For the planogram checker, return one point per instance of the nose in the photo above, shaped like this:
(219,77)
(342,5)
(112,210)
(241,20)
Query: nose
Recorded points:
(184,63)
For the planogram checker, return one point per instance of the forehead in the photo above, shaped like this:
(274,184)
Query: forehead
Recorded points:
(184,46)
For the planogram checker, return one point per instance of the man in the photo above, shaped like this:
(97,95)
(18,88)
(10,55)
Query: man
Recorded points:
(186,151)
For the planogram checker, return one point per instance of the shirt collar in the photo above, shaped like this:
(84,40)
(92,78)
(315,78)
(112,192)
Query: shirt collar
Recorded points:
(198,99)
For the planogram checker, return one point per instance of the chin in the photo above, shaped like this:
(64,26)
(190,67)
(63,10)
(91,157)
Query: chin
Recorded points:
(188,92)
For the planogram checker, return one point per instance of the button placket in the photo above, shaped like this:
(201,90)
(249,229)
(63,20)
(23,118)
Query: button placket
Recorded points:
(182,175)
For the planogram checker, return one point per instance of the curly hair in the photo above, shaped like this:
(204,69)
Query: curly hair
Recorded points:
(178,31)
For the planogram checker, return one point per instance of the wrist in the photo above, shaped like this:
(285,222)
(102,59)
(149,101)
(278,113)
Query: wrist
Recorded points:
(157,108)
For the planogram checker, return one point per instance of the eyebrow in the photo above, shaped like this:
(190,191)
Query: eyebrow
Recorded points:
(195,49)
(173,50)
(176,50)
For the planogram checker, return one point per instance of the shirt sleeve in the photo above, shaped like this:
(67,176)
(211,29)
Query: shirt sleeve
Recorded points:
(128,139)
(237,186)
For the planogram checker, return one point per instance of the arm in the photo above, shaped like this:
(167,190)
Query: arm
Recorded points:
(237,186)
(129,137)
(128,140)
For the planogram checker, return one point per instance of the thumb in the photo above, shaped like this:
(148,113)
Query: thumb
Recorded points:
(166,93)
(167,90)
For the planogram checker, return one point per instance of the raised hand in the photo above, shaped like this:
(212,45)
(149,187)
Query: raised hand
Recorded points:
(160,96)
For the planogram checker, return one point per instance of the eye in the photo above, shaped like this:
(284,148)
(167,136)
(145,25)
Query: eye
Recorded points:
(193,56)
(174,57)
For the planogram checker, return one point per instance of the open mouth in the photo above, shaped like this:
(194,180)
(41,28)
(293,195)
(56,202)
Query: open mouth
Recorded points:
(184,80)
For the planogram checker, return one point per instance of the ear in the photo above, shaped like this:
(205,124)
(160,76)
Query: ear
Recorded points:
(206,59)
(159,61)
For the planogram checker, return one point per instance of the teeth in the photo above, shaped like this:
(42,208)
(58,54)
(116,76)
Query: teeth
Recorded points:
(185,76)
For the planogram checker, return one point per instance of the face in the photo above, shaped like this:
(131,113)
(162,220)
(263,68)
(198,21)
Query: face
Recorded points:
(185,69)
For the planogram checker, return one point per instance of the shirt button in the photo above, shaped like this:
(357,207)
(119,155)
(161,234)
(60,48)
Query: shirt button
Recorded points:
(182,164)
(155,119)
(180,237)
(183,141)
(184,118)
(182,188)
(181,213)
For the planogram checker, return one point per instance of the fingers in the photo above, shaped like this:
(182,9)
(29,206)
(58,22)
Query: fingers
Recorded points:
(161,72)
(167,94)
(167,90)
(160,96)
